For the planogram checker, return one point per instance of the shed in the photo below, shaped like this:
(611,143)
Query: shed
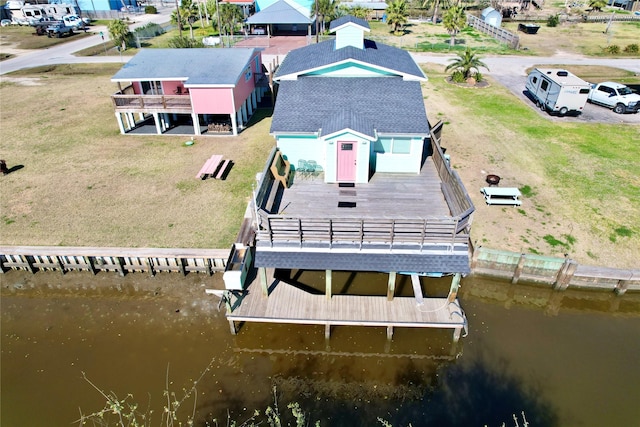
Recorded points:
(492,17)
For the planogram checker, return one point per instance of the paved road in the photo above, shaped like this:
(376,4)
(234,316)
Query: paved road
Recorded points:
(509,71)
(63,53)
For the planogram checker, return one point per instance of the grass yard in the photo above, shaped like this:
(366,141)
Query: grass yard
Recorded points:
(581,183)
(85,184)
(24,37)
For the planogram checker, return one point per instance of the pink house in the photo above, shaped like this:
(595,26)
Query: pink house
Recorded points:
(189,91)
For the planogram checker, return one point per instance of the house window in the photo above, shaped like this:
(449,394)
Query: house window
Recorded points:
(392,145)
(247,73)
(401,146)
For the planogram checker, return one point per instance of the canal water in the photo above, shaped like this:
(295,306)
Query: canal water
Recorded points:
(554,359)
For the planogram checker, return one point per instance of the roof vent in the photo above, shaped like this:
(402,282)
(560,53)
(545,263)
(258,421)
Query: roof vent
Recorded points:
(346,204)
(563,73)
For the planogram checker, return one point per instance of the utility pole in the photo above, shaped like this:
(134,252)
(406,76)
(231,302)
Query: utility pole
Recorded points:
(219,24)
(317,35)
(178,19)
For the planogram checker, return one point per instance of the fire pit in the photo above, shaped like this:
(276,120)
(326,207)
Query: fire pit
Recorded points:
(493,179)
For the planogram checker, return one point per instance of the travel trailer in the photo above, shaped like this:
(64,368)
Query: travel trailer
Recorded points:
(557,91)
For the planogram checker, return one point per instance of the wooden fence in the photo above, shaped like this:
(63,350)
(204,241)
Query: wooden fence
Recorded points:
(121,260)
(560,273)
(500,34)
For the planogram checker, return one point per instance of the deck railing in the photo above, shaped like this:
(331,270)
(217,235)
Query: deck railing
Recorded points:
(152,103)
(361,233)
(454,191)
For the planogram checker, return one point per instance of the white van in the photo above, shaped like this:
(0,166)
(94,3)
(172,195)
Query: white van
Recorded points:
(557,91)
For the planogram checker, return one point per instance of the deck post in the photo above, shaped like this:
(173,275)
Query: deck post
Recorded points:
(262,272)
(456,334)
(156,121)
(328,284)
(389,332)
(519,267)
(391,285)
(455,284)
(89,261)
(152,272)
(565,274)
(120,124)
(196,123)
(621,287)
(327,331)
(232,327)
(60,264)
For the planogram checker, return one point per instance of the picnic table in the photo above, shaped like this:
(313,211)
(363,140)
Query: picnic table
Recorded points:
(214,167)
(501,195)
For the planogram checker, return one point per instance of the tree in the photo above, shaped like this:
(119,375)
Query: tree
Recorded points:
(119,32)
(465,63)
(397,14)
(326,12)
(360,12)
(230,15)
(597,4)
(436,4)
(454,20)
(189,13)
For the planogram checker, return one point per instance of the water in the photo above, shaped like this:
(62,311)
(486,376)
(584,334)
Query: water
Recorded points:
(563,358)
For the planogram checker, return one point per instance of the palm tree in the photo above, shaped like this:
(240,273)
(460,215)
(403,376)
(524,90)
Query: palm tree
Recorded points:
(597,4)
(397,14)
(119,32)
(230,15)
(465,63)
(189,14)
(360,12)
(454,20)
(325,10)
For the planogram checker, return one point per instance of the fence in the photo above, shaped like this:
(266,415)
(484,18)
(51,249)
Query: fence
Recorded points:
(560,273)
(121,260)
(499,34)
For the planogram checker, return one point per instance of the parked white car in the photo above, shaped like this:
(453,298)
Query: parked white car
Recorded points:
(615,96)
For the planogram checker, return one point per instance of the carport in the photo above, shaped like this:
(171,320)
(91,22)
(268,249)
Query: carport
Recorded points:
(282,18)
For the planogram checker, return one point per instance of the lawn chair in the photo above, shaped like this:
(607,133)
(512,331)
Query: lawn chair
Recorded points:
(313,168)
(303,168)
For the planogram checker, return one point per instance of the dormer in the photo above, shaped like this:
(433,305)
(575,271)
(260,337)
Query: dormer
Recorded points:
(349,31)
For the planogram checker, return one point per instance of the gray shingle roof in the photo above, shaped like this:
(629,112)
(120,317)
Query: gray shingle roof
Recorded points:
(388,104)
(279,12)
(323,54)
(419,263)
(198,66)
(348,19)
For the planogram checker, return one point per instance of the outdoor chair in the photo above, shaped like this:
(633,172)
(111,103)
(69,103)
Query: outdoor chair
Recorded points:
(303,168)
(313,168)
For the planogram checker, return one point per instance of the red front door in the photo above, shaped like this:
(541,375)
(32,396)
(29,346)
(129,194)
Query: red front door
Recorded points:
(346,161)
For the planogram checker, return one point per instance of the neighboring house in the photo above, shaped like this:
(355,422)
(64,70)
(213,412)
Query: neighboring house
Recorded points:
(371,189)
(284,17)
(189,91)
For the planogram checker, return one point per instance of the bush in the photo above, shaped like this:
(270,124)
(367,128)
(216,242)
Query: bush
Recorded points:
(479,77)
(458,77)
(614,49)
(632,48)
(184,42)
(150,10)
(553,20)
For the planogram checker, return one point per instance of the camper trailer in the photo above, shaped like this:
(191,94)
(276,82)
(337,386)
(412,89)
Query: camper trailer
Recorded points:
(557,91)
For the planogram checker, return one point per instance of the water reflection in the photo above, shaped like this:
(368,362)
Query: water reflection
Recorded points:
(563,360)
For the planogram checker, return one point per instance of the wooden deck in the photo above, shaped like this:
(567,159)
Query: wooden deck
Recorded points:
(288,304)
(386,195)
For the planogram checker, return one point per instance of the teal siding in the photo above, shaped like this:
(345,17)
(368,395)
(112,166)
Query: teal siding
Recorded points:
(396,155)
(295,148)
(350,36)
(349,69)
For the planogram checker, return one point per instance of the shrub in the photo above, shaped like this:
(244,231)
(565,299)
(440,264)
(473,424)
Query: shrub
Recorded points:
(632,48)
(150,10)
(458,77)
(613,49)
(553,20)
(478,76)
(184,42)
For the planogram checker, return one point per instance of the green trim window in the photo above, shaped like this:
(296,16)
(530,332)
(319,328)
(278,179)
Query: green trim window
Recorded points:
(392,145)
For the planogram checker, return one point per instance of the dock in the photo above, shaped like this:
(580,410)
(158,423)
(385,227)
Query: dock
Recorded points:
(289,304)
